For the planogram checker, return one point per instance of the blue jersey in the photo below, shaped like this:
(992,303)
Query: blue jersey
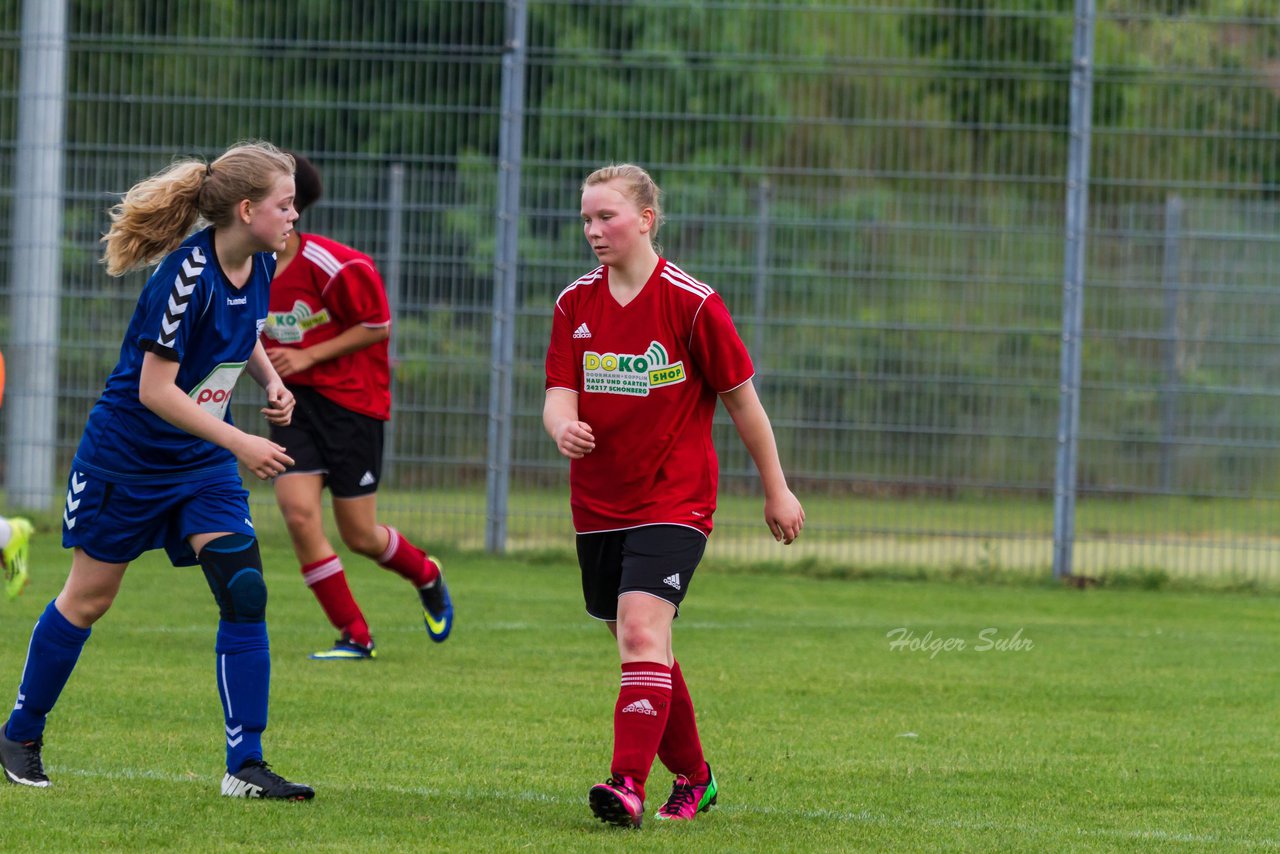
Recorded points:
(191,314)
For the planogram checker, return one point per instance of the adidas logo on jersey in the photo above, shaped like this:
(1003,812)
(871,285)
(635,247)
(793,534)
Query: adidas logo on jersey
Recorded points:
(672,581)
(368,479)
(641,707)
(582,332)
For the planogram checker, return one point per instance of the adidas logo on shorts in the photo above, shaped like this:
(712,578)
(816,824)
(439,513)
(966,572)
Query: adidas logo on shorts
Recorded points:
(641,707)
(672,581)
(367,480)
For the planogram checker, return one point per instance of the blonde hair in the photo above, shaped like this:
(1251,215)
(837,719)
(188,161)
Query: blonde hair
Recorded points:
(637,185)
(158,212)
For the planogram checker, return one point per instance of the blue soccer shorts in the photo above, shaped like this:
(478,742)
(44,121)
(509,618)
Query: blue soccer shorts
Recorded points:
(116,521)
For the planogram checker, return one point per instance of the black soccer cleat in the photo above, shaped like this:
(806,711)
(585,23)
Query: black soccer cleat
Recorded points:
(257,780)
(347,649)
(21,761)
(437,606)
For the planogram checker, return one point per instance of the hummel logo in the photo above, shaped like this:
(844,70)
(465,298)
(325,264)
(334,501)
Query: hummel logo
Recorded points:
(183,284)
(641,707)
(582,332)
(368,479)
(73,503)
(672,581)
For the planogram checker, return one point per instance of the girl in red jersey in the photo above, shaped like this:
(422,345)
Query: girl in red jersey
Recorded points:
(327,338)
(640,352)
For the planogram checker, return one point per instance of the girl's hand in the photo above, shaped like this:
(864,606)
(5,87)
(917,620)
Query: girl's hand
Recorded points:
(574,439)
(280,403)
(290,360)
(261,456)
(784,516)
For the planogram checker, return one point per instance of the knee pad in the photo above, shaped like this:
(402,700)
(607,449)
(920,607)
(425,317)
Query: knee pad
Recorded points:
(233,567)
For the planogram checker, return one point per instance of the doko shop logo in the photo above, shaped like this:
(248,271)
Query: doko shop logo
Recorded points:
(288,327)
(623,373)
(213,393)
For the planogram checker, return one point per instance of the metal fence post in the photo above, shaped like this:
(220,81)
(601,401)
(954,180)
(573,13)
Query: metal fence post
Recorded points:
(1077,219)
(1171,279)
(510,145)
(394,282)
(763,193)
(37,260)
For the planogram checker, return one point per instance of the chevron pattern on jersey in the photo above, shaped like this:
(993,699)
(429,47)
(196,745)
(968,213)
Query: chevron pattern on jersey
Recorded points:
(183,284)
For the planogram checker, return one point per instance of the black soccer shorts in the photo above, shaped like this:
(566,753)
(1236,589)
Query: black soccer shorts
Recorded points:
(658,560)
(343,446)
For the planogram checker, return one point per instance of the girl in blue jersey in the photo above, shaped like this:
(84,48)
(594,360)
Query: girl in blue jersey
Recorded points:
(157,464)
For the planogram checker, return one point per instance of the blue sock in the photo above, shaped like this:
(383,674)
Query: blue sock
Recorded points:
(55,648)
(244,674)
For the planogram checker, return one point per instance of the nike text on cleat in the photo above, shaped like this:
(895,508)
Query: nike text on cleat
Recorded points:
(616,802)
(688,798)
(14,556)
(437,607)
(257,780)
(346,649)
(21,761)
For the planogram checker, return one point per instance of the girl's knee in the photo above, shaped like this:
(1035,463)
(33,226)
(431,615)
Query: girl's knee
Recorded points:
(364,541)
(300,517)
(637,640)
(84,608)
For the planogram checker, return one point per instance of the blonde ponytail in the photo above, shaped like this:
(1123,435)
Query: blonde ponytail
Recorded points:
(159,212)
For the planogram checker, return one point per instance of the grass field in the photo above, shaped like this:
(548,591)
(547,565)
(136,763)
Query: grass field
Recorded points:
(1231,543)
(1110,719)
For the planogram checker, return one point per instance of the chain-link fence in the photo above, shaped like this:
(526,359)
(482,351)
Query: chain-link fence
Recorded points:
(879,191)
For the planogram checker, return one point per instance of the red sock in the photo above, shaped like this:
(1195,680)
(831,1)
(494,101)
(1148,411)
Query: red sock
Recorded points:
(407,560)
(681,749)
(329,584)
(639,717)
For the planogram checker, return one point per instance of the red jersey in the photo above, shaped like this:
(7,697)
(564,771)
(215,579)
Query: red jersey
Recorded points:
(327,289)
(647,376)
